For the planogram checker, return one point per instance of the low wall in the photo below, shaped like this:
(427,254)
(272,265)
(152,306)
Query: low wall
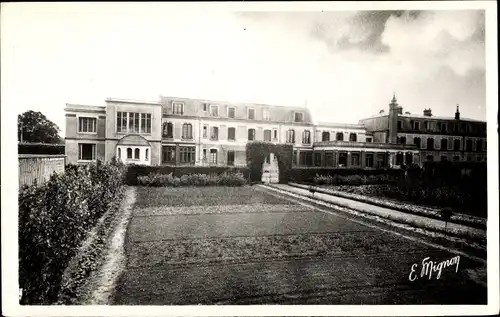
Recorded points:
(33,167)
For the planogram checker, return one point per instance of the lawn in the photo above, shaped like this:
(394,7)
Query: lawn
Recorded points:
(242,245)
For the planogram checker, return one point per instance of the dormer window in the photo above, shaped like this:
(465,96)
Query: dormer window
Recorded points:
(298,117)
(251,114)
(177,108)
(231,112)
(204,106)
(266,114)
(214,110)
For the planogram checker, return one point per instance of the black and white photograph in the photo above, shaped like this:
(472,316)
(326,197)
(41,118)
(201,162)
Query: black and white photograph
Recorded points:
(304,158)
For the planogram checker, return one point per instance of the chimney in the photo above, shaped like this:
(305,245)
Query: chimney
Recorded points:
(457,114)
(428,112)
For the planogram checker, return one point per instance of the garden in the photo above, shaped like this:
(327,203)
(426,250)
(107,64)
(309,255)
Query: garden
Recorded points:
(461,189)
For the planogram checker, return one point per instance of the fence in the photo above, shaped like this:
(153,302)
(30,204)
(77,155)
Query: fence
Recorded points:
(39,167)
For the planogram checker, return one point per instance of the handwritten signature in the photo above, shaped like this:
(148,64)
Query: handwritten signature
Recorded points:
(429,267)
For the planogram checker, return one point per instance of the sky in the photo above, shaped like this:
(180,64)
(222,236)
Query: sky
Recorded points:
(344,65)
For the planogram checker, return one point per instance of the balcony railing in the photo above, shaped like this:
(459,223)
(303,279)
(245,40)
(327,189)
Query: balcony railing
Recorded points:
(366,145)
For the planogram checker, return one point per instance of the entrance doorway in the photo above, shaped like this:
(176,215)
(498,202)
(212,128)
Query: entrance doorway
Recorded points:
(270,169)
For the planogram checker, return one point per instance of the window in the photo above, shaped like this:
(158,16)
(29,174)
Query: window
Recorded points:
(325,136)
(231,112)
(204,154)
(133,122)
(86,152)
(430,143)
(214,133)
(416,125)
(168,154)
(369,160)
(306,137)
(294,158)
(401,140)
(469,145)
(137,122)
(444,144)
(121,122)
(251,134)
(205,131)
(369,140)
(456,158)
(186,155)
(353,137)
(168,130)
(399,158)
(187,131)
(381,160)
(119,153)
(129,153)
(266,114)
(251,113)
(426,125)
(87,125)
(317,159)
(275,134)
(214,110)
(399,124)
(443,158)
(309,158)
(355,159)
(342,159)
(444,127)
(136,154)
(329,158)
(298,117)
(479,145)
(146,123)
(456,145)
(455,127)
(230,158)
(231,134)
(204,106)
(339,136)
(302,158)
(213,156)
(177,108)
(290,136)
(147,154)
(267,135)
(416,141)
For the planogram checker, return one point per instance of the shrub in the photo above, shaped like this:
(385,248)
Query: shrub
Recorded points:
(53,222)
(224,179)
(136,171)
(352,179)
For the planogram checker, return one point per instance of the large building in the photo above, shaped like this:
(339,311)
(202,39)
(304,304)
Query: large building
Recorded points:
(183,131)
(437,138)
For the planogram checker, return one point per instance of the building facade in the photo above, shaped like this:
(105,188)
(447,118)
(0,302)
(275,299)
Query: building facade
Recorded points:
(185,131)
(437,138)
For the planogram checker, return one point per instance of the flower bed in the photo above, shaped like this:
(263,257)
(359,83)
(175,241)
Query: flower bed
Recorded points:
(54,220)
(224,179)
(368,194)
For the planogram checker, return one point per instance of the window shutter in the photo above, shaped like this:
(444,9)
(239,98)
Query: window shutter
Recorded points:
(177,130)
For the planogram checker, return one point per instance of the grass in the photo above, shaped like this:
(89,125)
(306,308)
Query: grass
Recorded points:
(202,196)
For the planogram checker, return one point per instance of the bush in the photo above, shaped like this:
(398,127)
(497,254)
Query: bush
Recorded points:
(136,171)
(224,179)
(54,220)
(352,179)
(40,148)
(308,174)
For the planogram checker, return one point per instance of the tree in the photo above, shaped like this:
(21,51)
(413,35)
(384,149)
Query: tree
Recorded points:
(34,127)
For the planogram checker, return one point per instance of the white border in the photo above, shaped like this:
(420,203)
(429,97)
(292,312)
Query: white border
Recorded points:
(10,185)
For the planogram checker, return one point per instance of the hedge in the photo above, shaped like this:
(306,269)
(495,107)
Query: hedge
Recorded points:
(54,219)
(224,179)
(40,148)
(308,174)
(135,171)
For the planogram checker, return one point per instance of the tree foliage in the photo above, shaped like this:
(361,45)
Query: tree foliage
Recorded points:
(34,127)
(256,153)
